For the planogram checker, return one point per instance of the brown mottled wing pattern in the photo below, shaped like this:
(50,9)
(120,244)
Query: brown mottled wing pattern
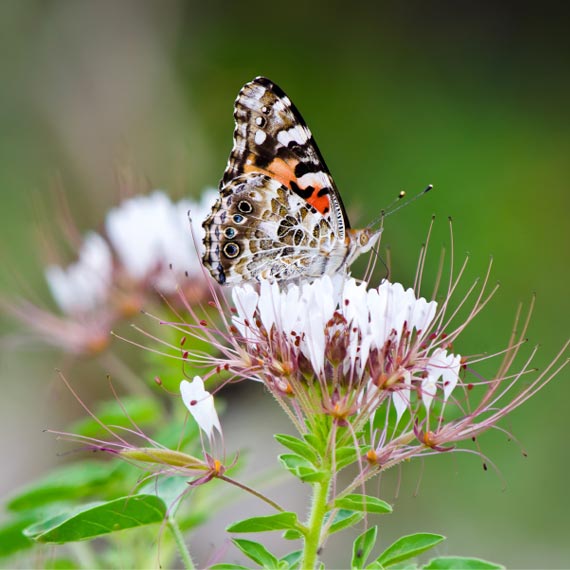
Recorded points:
(271,138)
(260,229)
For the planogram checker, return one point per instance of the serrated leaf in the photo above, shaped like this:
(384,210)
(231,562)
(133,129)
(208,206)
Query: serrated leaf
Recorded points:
(461,563)
(124,413)
(12,539)
(280,521)
(257,552)
(63,484)
(298,446)
(293,559)
(90,521)
(364,503)
(344,519)
(408,547)
(362,547)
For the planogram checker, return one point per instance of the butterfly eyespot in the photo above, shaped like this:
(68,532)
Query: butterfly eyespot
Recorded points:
(230,233)
(245,207)
(260,121)
(265,110)
(231,250)
(364,238)
(238,219)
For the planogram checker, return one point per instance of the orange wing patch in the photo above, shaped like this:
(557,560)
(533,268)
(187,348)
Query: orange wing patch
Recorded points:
(284,171)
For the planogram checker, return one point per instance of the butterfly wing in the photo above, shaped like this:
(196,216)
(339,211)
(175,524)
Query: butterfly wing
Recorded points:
(271,138)
(259,228)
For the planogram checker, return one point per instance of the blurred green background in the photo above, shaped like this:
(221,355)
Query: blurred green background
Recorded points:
(470,96)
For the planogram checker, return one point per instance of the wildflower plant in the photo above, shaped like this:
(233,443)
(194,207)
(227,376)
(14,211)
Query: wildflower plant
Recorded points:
(371,374)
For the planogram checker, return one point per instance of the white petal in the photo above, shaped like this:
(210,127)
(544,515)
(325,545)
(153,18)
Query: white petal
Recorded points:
(429,390)
(401,397)
(445,366)
(269,304)
(245,299)
(200,404)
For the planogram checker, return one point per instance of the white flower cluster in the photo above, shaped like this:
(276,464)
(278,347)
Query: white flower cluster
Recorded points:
(307,316)
(148,239)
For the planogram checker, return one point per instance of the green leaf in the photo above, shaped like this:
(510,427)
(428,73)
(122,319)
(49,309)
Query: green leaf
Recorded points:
(12,539)
(298,446)
(364,503)
(257,552)
(401,566)
(124,413)
(344,519)
(61,564)
(408,547)
(344,456)
(66,483)
(461,563)
(280,521)
(362,547)
(169,489)
(227,566)
(301,468)
(292,534)
(293,559)
(96,519)
(317,444)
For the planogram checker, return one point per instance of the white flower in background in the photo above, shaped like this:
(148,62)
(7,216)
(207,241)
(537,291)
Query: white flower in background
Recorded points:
(148,246)
(84,285)
(152,237)
(200,404)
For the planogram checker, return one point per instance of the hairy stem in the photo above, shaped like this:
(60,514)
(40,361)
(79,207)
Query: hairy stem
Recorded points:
(181,545)
(315,524)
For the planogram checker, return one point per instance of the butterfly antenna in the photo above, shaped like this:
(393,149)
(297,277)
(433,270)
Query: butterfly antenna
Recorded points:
(397,204)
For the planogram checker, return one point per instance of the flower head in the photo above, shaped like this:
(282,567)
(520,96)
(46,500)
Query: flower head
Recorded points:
(146,250)
(381,361)
(360,345)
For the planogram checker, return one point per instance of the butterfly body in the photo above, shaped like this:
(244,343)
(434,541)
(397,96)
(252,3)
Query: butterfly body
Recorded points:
(279,215)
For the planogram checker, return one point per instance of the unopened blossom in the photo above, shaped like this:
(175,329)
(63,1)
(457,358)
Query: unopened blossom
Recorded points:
(147,249)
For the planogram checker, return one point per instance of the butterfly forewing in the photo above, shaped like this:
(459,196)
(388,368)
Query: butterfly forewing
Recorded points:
(271,137)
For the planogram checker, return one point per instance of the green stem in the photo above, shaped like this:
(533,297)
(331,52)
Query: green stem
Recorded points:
(315,524)
(182,548)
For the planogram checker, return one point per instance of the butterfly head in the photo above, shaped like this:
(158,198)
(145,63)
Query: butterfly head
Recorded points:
(361,241)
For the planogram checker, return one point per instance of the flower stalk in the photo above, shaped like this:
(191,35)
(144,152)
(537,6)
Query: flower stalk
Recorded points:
(319,509)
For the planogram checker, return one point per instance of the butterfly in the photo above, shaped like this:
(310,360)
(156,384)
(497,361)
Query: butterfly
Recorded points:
(279,215)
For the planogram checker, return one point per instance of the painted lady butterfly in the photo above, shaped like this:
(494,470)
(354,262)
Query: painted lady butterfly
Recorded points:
(279,215)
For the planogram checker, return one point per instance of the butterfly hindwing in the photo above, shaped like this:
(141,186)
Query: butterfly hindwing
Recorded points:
(260,229)
(271,137)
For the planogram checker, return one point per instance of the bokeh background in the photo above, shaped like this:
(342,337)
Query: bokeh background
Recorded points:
(470,96)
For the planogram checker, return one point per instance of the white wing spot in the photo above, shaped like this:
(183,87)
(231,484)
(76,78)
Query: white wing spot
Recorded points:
(296,134)
(260,137)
